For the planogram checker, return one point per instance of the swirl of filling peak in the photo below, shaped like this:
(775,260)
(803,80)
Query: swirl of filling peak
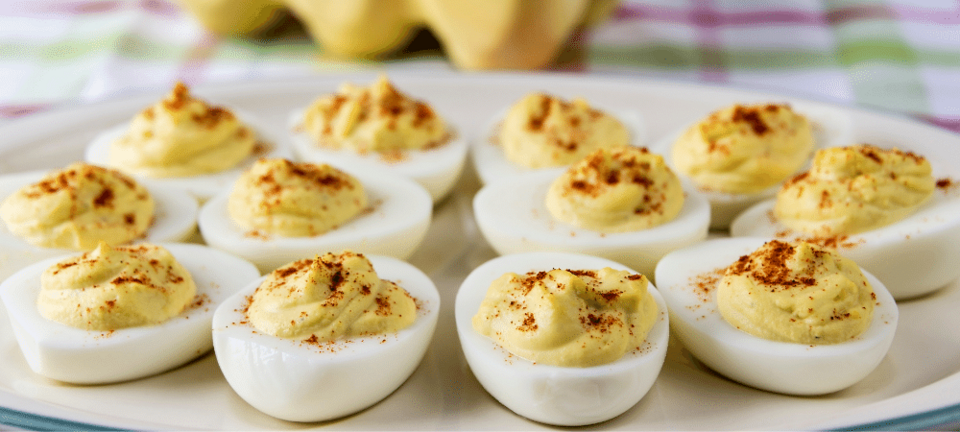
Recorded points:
(378,118)
(182,136)
(616,190)
(290,199)
(545,131)
(576,318)
(796,292)
(113,288)
(744,149)
(854,189)
(327,298)
(77,207)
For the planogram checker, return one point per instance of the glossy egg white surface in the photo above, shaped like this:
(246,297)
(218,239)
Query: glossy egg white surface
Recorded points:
(69,354)
(913,256)
(203,186)
(513,218)
(782,367)
(175,219)
(492,165)
(564,396)
(832,127)
(298,381)
(436,169)
(398,219)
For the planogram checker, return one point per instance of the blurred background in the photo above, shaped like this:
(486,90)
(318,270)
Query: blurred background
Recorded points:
(894,55)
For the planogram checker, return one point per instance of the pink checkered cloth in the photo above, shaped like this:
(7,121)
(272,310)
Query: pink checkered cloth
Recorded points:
(897,55)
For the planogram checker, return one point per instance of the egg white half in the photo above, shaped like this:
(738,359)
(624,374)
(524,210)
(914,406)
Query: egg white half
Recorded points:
(395,225)
(491,163)
(782,367)
(436,169)
(69,354)
(912,257)
(513,217)
(201,186)
(298,381)
(175,218)
(565,396)
(831,128)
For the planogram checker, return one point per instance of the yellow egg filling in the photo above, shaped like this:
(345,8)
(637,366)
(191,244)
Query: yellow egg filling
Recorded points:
(378,118)
(616,190)
(277,196)
(577,318)
(182,136)
(327,298)
(744,149)
(796,292)
(113,288)
(77,207)
(850,190)
(544,131)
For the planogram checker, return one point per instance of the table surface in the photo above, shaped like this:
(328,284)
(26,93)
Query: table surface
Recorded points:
(896,55)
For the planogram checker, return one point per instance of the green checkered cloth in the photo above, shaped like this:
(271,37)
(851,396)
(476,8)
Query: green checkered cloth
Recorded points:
(898,55)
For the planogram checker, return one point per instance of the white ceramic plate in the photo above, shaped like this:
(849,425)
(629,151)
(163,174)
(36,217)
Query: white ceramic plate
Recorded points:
(917,386)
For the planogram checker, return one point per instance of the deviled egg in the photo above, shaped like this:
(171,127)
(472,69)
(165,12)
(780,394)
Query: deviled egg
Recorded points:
(589,364)
(380,129)
(325,337)
(181,142)
(805,347)
(121,334)
(46,214)
(739,155)
(881,208)
(279,211)
(622,204)
(541,131)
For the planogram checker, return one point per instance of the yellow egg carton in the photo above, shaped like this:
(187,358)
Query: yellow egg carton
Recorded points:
(488,34)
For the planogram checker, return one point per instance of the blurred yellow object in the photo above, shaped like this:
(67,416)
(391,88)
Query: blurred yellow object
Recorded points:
(487,34)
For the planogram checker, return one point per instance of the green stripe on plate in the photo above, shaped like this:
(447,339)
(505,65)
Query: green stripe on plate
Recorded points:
(946,418)
(28,421)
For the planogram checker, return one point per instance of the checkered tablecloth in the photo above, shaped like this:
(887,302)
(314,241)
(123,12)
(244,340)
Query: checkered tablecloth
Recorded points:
(898,55)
